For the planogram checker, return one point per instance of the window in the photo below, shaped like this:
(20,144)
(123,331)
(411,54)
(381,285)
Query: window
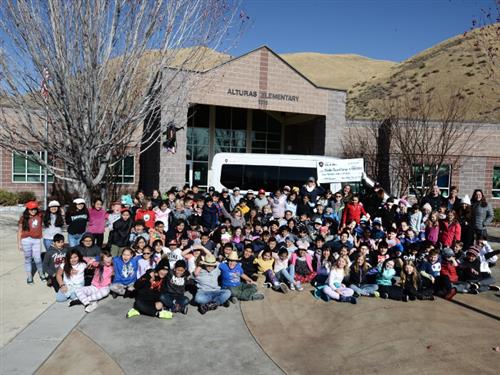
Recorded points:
(26,169)
(124,171)
(495,191)
(266,133)
(421,172)
(230,130)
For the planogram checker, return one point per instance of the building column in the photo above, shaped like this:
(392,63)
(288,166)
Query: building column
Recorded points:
(335,123)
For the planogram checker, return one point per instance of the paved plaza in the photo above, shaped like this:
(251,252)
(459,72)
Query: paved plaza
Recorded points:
(292,334)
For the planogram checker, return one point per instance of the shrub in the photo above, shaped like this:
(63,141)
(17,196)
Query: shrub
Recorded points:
(497,215)
(7,198)
(26,196)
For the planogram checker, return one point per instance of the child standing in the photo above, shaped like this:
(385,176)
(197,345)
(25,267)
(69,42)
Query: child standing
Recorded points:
(97,221)
(99,288)
(29,237)
(77,218)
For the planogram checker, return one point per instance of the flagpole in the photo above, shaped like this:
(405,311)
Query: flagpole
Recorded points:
(45,174)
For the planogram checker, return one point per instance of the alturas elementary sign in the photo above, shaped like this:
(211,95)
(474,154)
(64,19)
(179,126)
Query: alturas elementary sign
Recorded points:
(263,95)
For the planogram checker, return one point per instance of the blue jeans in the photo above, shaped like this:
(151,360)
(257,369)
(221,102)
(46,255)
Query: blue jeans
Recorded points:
(217,296)
(170,300)
(287,274)
(63,297)
(47,243)
(364,289)
(74,239)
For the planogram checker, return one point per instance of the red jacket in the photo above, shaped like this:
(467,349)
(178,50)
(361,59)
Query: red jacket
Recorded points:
(149,217)
(449,270)
(353,212)
(449,233)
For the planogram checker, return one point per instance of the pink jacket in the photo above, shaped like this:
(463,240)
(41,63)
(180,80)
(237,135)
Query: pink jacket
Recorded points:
(308,261)
(97,221)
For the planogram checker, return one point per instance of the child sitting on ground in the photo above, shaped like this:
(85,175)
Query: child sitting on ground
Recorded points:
(148,290)
(174,287)
(385,277)
(411,284)
(99,289)
(284,271)
(232,275)
(304,271)
(334,288)
(265,264)
(70,276)
(53,260)
(125,274)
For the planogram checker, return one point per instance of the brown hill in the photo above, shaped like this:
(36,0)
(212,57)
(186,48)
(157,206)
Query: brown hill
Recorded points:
(337,71)
(457,66)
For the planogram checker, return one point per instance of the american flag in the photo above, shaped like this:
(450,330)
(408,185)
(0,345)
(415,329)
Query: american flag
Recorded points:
(45,84)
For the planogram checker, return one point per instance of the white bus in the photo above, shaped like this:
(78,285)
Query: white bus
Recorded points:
(270,172)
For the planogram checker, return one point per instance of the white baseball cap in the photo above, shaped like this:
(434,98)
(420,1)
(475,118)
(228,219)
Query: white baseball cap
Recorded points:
(54,204)
(79,201)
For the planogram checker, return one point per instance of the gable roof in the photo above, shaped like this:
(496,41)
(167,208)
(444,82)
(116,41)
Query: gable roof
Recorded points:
(281,59)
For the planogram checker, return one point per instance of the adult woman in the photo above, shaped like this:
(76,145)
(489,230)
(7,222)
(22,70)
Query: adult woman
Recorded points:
(29,238)
(53,222)
(482,214)
(453,201)
(77,218)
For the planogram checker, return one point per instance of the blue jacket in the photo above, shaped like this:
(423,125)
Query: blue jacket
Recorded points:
(125,273)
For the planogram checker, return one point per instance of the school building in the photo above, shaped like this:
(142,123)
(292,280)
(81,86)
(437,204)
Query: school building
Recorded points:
(254,103)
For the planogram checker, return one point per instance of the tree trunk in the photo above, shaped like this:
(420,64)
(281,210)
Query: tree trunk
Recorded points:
(383,155)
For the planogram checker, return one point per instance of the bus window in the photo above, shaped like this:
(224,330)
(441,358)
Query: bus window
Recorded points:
(231,175)
(260,176)
(295,176)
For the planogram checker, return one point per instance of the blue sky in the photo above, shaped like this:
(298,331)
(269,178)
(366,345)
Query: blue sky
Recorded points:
(379,29)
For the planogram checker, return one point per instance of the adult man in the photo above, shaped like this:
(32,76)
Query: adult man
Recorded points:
(311,189)
(434,198)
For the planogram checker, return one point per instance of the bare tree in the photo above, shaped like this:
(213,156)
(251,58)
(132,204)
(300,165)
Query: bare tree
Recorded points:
(427,134)
(102,63)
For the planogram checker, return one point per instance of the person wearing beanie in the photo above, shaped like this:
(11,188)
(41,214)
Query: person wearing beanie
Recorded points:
(474,273)
(148,291)
(174,287)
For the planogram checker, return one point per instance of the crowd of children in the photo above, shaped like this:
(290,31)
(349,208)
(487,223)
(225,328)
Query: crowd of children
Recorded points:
(215,247)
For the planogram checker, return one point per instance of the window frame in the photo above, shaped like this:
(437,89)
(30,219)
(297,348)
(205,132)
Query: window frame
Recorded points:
(493,190)
(445,191)
(118,178)
(26,174)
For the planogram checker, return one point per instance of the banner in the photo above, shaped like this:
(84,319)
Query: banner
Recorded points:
(341,170)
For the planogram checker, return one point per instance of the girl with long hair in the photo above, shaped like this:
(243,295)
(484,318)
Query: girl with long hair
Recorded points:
(29,237)
(53,222)
(70,276)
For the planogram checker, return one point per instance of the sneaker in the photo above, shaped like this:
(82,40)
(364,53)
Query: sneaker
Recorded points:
(384,295)
(257,297)
(284,288)
(267,285)
(114,294)
(473,291)
(233,299)
(292,287)
(29,280)
(184,310)
(226,304)
(474,286)
(299,287)
(75,302)
(91,307)
(213,306)
(376,294)
(406,298)
(203,308)
(43,278)
(451,294)
(164,314)
(133,312)
(412,298)
(353,300)
(496,288)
